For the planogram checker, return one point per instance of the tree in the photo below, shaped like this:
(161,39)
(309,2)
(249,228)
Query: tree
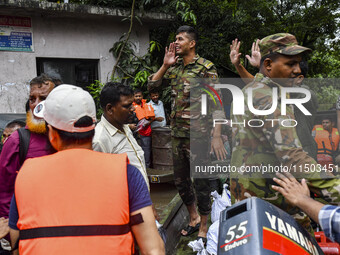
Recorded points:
(314,23)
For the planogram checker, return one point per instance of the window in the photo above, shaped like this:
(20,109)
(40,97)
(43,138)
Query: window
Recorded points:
(79,72)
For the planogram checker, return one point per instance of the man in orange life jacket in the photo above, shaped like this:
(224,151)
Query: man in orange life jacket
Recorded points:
(327,138)
(76,201)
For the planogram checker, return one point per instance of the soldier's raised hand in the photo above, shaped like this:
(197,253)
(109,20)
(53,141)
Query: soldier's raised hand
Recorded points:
(170,57)
(255,57)
(234,52)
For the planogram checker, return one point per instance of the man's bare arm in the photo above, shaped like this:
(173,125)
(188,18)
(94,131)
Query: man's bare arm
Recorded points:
(3,227)
(244,74)
(217,145)
(159,119)
(14,239)
(146,233)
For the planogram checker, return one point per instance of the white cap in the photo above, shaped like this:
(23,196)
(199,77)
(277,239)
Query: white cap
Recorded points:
(64,106)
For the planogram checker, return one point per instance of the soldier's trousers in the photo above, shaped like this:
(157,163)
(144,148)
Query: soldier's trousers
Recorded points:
(186,188)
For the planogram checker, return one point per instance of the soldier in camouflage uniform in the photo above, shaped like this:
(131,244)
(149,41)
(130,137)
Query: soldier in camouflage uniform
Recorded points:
(274,144)
(305,122)
(180,64)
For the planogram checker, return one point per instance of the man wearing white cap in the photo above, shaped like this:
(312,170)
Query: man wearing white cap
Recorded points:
(76,201)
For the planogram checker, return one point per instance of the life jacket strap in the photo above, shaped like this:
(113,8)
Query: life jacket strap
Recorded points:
(83,230)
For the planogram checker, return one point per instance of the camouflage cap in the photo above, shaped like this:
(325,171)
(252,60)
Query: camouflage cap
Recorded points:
(282,43)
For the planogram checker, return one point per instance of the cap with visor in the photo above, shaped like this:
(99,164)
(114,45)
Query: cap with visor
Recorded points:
(283,43)
(64,106)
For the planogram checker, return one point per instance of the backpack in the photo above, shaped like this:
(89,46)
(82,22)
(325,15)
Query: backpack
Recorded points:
(24,142)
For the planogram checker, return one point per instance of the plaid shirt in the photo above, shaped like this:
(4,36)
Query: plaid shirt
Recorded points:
(329,218)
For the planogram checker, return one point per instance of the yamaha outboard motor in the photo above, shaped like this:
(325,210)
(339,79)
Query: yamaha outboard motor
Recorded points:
(254,226)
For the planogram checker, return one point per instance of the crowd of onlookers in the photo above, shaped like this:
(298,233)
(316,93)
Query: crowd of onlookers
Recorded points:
(72,191)
(146,116)
(61,119)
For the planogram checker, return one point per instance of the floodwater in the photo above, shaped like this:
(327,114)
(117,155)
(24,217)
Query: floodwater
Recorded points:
(161,195)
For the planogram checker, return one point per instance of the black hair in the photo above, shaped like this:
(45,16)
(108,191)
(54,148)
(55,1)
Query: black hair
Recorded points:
(190,31)
(137,91)
(55,78)
(304,68)
(57,81)
(111,93)
(15,123)
(36,80)
(41,79)
(68,138)
(154,92)
(273,56)
(44,77)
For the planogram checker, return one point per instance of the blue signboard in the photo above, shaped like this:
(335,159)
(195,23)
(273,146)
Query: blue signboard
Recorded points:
(16,34)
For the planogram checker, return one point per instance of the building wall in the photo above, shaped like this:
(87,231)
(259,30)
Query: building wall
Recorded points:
(60,37)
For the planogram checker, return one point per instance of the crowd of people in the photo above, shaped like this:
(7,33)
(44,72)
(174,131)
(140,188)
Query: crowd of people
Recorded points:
(84,184)
(112,185)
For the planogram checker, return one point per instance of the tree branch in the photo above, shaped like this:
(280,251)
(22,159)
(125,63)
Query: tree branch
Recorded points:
(126,73)
(126,40)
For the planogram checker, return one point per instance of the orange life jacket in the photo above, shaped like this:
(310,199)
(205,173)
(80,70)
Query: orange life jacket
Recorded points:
(327,142)
(144,110)
(74,202)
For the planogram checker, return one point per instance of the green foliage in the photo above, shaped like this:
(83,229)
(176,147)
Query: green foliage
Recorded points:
(95,89)
(184,11)
(316,24)
(141,77)
(134,69)
(132,64)
(325,64)
(218,22)
(328,94)
(154,46)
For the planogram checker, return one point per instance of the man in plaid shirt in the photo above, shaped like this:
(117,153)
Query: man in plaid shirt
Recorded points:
(329,220)
(327,216)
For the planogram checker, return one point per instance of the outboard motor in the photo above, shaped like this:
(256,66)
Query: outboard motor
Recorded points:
(254,226)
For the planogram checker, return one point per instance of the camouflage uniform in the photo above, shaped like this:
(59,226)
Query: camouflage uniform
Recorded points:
(267,145)
(178,76)
(275,144)
(305,124)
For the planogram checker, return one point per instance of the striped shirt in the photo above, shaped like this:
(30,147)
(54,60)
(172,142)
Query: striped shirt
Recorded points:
(329,219)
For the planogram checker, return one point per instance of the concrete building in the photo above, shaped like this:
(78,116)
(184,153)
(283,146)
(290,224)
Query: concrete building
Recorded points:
(69,41)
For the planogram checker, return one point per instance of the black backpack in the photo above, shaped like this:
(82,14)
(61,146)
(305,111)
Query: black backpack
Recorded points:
(24,142)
